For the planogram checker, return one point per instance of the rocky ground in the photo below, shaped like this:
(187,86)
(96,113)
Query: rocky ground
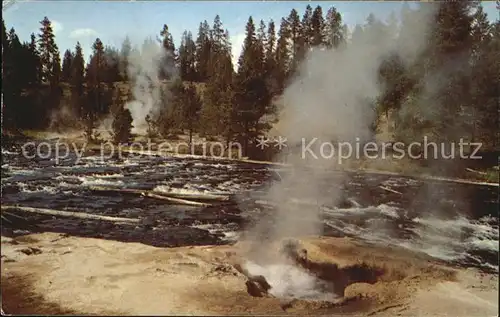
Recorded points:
(50,273)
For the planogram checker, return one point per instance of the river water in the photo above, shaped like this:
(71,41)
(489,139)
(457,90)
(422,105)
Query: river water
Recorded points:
(452,222)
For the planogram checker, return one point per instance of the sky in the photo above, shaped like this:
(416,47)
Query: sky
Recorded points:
(111,21)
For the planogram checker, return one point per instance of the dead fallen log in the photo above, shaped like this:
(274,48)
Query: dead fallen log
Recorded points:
(290,202)
(183,199)
(215,197)
(175,200)
(390,190)
(474,171)
(72,214)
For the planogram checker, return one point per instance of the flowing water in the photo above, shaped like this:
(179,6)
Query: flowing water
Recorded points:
(456,223)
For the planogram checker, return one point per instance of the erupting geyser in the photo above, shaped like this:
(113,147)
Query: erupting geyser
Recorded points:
(331,99)
(144,70)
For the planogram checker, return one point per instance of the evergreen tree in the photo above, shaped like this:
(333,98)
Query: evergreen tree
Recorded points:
(217,110)
(77,80)
(66,66)
(170,118)
(217,35)
(219,39)
(283,56)
(56,72)
(11,84)
(271,69)
(191,109)
(50,66)
(397,83)
(187,57)
(166,119)
(122,125)
(94,104)
(203,51)
(48,50)
(297,49)
(317,27)
(307,27)
(251,94)
(334,35)
(112,72)
(33,62)
(124,58)
(168,64)
(261,41)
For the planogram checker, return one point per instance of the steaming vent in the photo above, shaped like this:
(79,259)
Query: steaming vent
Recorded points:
(293,276)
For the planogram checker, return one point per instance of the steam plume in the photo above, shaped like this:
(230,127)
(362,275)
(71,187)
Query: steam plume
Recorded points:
(144,69)
(331,99)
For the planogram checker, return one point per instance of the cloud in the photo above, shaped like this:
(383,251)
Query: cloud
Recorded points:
(56,26)
(237,46)
(82,33)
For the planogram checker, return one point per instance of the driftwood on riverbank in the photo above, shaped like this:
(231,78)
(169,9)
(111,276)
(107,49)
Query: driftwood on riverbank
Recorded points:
(71,214)
(390,190)
(175,198)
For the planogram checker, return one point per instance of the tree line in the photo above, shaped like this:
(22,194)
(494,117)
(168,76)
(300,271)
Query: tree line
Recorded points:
(204,93)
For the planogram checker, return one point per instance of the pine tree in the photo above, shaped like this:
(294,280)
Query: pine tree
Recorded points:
(283,56)
(191,110)
(165,120)
(183,58)
(334,35)
(168,66)
(297,49)
(307,27)
(270,59)
(169,118)
(56,72)
(217,35)
(11,84)
(218,43)
(317,27)
(66,66)
(251,94)
(50,63)
(95,73)
(187,57)
(397,84)
(77,80)
(111,65)
(218,109)
(94,104)
(124,58)
(122,126)
(34,62)
(203,51)
(48,50)
(19,86)
(261,41)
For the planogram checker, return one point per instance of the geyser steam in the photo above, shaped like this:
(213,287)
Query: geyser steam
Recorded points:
(144,69)
(331,99)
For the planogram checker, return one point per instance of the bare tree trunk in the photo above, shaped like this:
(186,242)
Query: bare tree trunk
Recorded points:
(63,213)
